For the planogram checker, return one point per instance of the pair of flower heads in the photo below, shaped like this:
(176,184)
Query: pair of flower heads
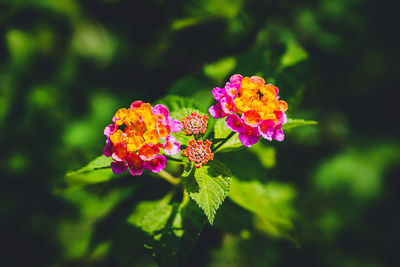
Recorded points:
(141,134)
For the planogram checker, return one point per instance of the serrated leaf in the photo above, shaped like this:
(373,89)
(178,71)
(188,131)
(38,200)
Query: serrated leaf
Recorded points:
(150,216)
(271,204)
(175,103)
(172,229)
(208,186)
(292,123)
(96,171)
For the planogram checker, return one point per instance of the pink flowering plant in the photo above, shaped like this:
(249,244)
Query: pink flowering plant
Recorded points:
(178,140)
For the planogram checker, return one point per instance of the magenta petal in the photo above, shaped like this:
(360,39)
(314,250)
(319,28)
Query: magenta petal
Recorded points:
(218,93)
(176,126)
(114,119)
(135,164)
(118,167)
(236,78)
(232,89)
(278,135)
(227,104)
(136,172)
(136,104)
(266,129)
(248,140)
(110,129)
(234,123)
(171,146)
(216,111)
(156,165)
(281,116)
(108,148)
(161,109)
(249,136)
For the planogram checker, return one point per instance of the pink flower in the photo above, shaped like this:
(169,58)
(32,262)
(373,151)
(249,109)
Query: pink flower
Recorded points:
(234,123)
(249,136)
(227,104)
(108,149)
(232,90)
(136,104)
(135,138)
(135,164)
(278,135)
(157,164)
(218,93)
(252,108)
(118,166)
(216,111)
(110,129)
(266,129)
(148,152)
(171,146)
(236,78)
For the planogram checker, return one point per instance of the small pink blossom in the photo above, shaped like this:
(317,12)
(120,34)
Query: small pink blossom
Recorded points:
(157,164)
(118,166)
(171,146)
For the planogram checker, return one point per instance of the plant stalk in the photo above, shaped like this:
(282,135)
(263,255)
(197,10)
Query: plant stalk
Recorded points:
(169,177)
(223,141)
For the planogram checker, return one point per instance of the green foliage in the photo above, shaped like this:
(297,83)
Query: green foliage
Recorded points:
(96,171)
(266,154)
(208,186)
(151,216)
(293,123)
(271,205)
(176,103)
(357,172)
(219,70)
(172,228)
(293,55)
(221,132)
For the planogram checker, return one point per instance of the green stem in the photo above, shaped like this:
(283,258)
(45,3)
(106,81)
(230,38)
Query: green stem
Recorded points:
(223,141)
(179,161)
(169,177)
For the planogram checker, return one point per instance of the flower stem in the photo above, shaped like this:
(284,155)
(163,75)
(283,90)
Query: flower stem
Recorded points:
(223,141)
(179,161)
(169,177)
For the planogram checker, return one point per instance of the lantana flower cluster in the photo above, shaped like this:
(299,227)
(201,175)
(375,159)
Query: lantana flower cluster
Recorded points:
(195,123)
(252,109)
(136,135)
(198,152)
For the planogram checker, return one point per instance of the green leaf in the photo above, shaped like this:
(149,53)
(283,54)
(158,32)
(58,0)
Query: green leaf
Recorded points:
(151,216)
(292,123)
(172,228)
(266,154)
(97,171)
(176,103)
(271,204)
(220,69)
(208,186)
(293,55)
(221,132)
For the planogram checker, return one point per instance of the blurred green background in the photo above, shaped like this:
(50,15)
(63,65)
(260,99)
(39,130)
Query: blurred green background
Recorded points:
(66,66)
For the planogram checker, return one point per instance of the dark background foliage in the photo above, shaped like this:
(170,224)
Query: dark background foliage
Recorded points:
(66,66)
